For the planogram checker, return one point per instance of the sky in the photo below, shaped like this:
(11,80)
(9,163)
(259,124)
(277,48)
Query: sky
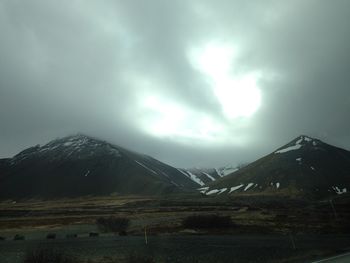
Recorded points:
(195,83)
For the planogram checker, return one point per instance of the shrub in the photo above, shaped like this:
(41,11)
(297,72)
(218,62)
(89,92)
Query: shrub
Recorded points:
(51,236)
(93,234)
(71,235)
(45,255)
(123,233)
(18,237)
(113,224)
(207,221)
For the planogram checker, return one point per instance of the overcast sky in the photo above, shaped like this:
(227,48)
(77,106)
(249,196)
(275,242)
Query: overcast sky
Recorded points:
(192,83)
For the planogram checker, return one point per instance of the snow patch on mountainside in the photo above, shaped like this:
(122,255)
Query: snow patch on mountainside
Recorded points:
(308,139)
(225,170)
(234,188)
(299,141)
(298,144)
(78,145)
(218,172)
(222,190)
(290,148)
(339,191)
(209,176)
(248,186)
(203,189)
(193,177)
(144,166)
(216,191)
(182,172)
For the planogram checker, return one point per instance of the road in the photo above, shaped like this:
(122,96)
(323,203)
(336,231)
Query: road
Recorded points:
(224,248)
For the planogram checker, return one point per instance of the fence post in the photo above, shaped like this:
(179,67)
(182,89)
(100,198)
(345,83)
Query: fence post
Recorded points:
(146,241)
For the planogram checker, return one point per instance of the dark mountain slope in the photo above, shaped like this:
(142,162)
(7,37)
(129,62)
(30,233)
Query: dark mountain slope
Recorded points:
(80,165)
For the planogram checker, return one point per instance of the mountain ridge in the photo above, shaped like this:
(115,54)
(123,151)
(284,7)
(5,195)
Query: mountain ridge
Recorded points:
(78,165)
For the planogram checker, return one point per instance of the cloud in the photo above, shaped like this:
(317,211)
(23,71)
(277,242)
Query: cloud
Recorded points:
(140,73)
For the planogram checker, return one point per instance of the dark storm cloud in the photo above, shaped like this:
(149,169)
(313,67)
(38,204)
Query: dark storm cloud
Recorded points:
(78,66)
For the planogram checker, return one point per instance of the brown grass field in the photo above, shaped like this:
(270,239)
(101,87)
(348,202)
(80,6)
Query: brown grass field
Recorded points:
(165,215)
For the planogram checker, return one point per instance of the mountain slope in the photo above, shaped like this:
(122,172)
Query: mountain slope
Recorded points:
(80,165)
(304,166)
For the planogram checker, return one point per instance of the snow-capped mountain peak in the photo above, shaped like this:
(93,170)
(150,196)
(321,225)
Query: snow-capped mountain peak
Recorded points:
(299,143)
(74,146)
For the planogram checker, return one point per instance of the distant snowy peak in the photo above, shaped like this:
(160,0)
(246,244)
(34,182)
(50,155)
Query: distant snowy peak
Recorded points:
(80,142)
(203,176)
(223,171)
(299,143)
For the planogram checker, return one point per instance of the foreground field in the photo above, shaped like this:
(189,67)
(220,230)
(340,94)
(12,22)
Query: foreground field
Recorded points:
(262,229)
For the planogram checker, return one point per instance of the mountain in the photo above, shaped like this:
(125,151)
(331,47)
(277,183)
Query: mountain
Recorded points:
(80,165)
(304,166)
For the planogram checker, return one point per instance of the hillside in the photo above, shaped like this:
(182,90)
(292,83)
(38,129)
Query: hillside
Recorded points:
(304,166)
(80,165)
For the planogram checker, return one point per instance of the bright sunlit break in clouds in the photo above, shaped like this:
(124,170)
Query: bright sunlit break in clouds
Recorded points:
(192,83)
(168,119)
(238,94)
